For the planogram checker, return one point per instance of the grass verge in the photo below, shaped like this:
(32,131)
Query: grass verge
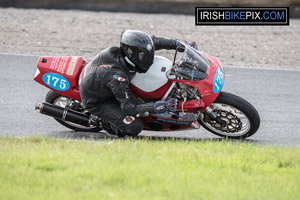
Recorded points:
(45,168)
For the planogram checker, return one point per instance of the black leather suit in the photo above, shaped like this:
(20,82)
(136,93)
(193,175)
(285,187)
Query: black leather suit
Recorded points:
(105,92)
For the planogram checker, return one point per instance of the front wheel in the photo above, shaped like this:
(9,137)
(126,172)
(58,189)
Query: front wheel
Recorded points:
(242,119)
(61,101)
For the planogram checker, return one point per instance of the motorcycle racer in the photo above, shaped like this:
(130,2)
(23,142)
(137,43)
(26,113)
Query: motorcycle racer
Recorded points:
(104,82)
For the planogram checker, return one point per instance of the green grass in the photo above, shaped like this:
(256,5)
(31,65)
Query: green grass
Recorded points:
(41,168)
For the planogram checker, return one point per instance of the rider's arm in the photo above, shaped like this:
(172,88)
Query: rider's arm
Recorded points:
(119,85)
(163,43)
(166,43)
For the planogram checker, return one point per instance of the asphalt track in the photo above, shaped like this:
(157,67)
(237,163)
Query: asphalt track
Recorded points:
(275,93)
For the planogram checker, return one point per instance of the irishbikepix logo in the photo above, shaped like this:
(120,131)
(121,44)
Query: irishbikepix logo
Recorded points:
(242,16)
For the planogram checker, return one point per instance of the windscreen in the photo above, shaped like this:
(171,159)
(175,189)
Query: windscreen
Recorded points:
(192,66)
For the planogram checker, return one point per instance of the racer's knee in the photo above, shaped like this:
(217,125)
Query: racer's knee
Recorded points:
(132,126)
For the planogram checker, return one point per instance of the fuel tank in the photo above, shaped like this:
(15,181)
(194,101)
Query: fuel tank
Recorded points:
(154,83)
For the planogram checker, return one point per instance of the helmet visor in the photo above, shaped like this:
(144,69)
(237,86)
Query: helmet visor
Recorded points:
(141,57)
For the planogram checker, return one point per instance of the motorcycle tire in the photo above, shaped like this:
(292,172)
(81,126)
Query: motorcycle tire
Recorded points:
(242,119)
(52,97)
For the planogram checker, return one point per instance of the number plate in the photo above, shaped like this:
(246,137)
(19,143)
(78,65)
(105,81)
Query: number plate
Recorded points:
(218,80)
(56,81)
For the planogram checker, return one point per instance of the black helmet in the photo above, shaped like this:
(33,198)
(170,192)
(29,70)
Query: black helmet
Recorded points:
(138,48)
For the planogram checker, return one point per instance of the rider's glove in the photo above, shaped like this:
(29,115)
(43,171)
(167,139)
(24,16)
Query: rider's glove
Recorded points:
(163,106)
(194,45)
(180,45)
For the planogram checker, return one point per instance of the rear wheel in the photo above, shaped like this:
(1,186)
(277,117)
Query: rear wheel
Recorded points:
(61,101)
(242,119)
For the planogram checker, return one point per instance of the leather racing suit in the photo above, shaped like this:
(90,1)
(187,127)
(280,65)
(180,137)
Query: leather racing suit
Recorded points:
(105,92)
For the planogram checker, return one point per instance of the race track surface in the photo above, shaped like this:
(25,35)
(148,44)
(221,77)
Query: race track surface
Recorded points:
(275,94)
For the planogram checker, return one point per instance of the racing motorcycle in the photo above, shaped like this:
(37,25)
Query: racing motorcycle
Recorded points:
(195,79)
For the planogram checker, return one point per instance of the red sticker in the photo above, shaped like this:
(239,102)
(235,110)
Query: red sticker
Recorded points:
(105,66)
(128,120)
(121,79)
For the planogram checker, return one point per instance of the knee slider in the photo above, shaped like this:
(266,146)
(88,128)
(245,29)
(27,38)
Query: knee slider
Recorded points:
(134,128)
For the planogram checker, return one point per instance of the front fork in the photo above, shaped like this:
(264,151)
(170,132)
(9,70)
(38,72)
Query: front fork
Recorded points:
(214,117)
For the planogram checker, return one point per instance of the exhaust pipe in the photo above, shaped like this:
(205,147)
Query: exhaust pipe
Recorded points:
(65,114)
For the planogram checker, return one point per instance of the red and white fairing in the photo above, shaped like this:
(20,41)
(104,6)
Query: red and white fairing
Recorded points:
(61,75)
